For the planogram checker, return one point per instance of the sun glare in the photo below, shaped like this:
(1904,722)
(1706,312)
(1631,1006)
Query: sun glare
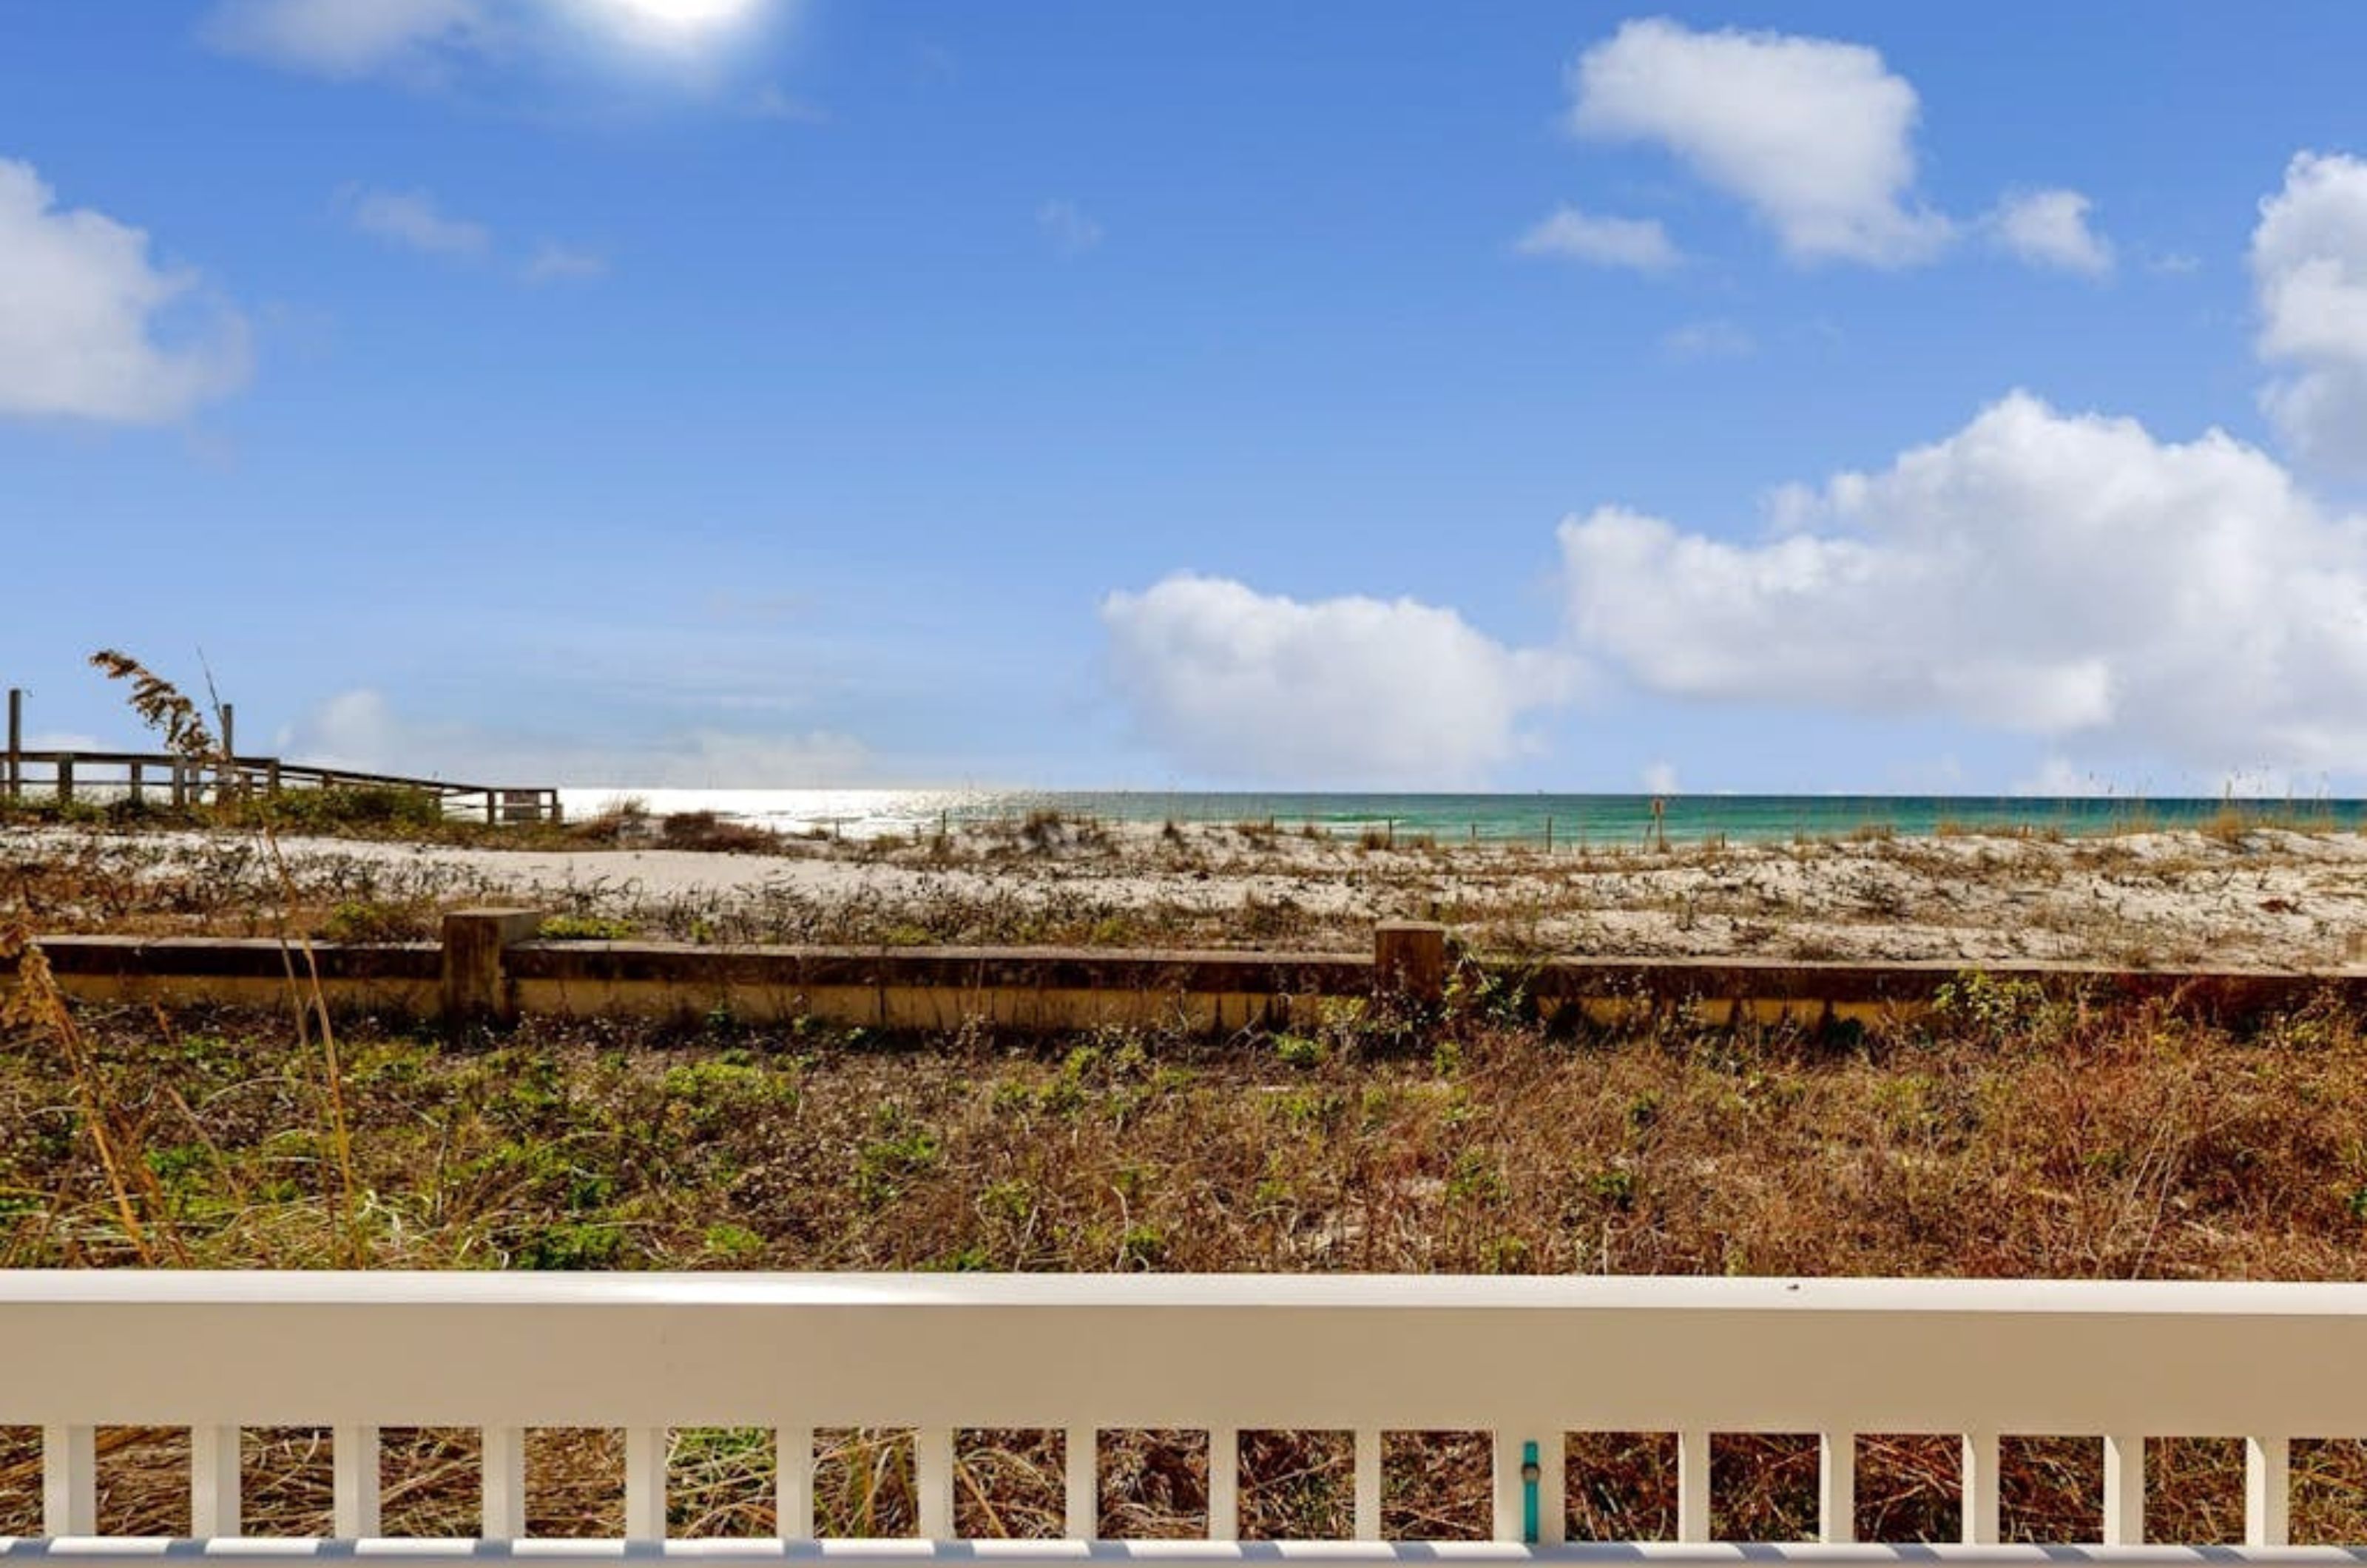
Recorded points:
(679,18)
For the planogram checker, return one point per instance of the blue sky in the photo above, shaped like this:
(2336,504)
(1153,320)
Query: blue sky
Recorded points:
(1804,397)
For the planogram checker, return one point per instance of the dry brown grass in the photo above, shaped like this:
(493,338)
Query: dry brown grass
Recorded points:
(2016,1136)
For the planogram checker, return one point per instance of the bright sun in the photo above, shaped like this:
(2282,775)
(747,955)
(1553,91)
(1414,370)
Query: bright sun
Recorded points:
(682,16)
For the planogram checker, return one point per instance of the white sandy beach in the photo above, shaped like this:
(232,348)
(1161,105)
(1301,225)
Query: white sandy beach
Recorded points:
(2266,899)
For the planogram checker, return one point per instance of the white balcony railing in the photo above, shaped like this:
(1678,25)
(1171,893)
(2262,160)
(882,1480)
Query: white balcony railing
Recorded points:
(1526,1359)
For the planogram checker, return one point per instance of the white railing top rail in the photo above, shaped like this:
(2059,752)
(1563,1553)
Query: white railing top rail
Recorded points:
(1403,1353)
(439,1553)
(1385,1291)
(1526,1359)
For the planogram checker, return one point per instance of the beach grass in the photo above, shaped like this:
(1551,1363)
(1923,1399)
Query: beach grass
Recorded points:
(2013,1135)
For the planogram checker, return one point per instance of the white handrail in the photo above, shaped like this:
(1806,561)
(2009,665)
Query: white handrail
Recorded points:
(1526,1359)
(95,1552)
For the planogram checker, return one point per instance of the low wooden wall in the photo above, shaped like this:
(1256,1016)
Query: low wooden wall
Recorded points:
(392,977)
(933,988)
(491,968)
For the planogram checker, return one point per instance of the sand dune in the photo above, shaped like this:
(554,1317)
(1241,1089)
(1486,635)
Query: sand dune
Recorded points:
(2264,898)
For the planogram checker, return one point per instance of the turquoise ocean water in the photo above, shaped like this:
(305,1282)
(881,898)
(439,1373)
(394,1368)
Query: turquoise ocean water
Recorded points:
(1564,820)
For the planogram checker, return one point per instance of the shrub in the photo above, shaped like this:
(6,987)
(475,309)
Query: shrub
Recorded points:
(705,830)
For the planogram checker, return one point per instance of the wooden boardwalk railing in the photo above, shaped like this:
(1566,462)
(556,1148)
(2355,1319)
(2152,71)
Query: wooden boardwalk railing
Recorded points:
(142,776)
(66,776)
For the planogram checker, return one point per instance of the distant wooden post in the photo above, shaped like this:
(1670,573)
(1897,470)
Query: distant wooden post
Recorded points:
(136,791)
(228,783)
(475,989)
(65,778)
(1410,962)
(16,742)
(181,785)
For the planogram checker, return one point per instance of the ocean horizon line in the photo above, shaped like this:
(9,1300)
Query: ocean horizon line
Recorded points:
(1492,816)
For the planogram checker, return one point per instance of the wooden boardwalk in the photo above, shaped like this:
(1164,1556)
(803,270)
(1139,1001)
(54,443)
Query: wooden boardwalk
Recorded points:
(140,776)
(160,777)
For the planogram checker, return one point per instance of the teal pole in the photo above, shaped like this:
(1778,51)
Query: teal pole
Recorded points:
(1529,1492)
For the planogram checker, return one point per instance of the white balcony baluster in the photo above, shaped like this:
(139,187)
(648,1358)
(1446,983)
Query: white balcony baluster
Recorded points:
(1224,1484)
(2125,1490)
(69,1481)
(793,1457)
(932,1475)
(1368,1485)
(214,1483)
(1837,1487)
(1080,1467)
(353,1458)
(1980,1495)
(504,1483)
(1693,1486)
(645,1482)
(2267,1491)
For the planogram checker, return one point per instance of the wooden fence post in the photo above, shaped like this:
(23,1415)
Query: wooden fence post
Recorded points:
(15,779)
(65,778)
(475,988)
(1410,963)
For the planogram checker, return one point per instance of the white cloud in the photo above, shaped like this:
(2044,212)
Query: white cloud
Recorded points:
(412,220)
(90,328)
(1815,136)
(1234,683)
(348,38)
(360,730)
(1711,339)
(2049,228)
(1637,243)
(2321,414)
(559,264)
(2309,260)
(2309,269)
(1068,227)
(2068,576)
(1658,778)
